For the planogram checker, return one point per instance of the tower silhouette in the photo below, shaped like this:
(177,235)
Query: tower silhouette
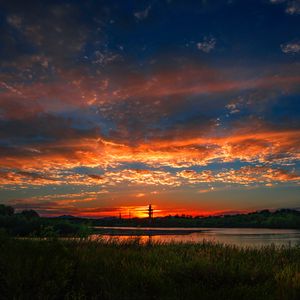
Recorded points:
(150,212)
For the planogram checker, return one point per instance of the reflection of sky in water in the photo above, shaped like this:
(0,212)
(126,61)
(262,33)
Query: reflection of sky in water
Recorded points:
(231,236)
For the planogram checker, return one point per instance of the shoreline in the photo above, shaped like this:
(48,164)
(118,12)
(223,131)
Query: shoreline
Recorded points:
(142,232)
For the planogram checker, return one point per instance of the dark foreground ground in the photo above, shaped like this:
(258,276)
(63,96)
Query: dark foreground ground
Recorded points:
(64,269)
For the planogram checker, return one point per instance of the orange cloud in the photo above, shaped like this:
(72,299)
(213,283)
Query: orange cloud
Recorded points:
(65,147)
(52,163)
(244,176)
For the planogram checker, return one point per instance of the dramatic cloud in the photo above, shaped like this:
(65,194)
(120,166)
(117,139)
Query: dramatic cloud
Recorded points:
(105,106)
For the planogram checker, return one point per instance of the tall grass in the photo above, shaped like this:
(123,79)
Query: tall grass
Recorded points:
(84,269)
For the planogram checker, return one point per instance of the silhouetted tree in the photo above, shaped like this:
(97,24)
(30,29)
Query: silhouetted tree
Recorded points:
(30,214)
(6,210)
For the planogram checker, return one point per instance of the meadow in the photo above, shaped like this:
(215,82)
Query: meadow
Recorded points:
(53,268)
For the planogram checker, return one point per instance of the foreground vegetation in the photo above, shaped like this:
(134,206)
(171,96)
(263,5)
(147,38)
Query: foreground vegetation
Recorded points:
(84,269)
(44,266)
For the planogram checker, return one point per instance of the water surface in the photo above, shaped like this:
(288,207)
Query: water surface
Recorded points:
(254,237)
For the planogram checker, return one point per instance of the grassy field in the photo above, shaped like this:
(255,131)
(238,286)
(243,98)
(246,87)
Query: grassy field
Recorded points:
(64,269)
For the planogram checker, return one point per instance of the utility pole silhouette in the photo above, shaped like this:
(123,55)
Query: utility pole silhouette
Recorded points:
(150,212)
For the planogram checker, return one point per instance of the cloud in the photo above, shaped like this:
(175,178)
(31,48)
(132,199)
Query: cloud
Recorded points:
(207,44)
(15,21)
(53,162)
(291,48)
(143,14)
(105,113)
(105,57)
(204,191)
(139,195)
(142,177)
(85,203)
(24,178)
(233,108)
(247,175)
(195,177)
(116,98)
(56,159)
(130,177)
(83,108)
(292,6)
(61,206)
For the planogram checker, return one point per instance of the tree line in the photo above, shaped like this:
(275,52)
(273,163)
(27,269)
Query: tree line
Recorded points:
(29,223)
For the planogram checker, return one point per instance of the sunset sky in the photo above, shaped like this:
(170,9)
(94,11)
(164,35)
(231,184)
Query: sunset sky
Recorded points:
(107,106)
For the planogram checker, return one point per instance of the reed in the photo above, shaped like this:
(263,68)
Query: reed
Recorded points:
(86,269)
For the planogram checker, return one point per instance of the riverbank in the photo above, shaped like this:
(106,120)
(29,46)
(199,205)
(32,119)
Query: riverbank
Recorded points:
(56,269)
